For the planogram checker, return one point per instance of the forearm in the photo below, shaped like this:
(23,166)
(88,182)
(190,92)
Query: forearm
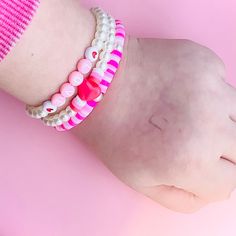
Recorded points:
(48,51)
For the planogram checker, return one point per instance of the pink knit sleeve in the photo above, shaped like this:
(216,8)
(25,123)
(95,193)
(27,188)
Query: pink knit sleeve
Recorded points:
(15,15)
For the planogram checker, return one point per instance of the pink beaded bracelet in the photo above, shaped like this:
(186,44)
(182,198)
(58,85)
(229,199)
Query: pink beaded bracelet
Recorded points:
(112,67)
(87,85)
(84,66)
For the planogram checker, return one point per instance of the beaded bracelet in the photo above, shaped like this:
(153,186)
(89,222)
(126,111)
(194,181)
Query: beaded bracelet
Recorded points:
(112,66)
(92,81)
(105,25)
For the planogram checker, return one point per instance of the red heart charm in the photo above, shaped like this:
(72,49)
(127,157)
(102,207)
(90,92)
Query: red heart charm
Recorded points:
(49,110)
(94,54)
(89,90)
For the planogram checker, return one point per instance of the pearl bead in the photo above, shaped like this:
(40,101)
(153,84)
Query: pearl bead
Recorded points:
(112,24)
(76,78)
(98,43)
(70,112)
(102,65)
(118,47)
(63,116)
(103,28)
(48,122)
(101,35)
(112,31)
(58,100)
(84,66)
(103,21)
(29,111)
(91,54)
(58,122)
(42,114)
(102,14)
(105,55)
(67,90)
(111,38)
(97,9)
(48,107)
(109,46)
(34,113)
(98,71)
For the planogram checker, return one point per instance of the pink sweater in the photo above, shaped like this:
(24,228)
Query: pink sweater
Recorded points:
(15,15)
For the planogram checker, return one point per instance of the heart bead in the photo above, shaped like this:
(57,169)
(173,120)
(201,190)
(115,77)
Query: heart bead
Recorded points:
(48,107)
(89,90)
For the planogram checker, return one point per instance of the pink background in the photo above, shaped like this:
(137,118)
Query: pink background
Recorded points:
(52,186)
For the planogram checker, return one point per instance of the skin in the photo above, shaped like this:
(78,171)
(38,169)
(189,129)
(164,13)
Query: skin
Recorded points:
(166,126)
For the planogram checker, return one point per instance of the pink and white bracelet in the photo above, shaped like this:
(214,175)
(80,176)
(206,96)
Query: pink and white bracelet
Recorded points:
(112,67)
(86,85)
(103,39)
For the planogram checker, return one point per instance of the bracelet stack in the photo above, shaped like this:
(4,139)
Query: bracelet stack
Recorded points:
(87,84)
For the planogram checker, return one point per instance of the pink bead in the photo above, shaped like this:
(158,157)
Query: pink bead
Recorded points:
(67,90)
(76,78)
(84,66)
(58,100)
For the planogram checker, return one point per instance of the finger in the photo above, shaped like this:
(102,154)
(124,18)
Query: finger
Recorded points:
(174,198)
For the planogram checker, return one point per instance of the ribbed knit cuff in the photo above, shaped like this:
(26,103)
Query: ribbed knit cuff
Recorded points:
(15,16)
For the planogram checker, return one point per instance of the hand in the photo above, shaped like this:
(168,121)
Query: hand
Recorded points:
(167,127)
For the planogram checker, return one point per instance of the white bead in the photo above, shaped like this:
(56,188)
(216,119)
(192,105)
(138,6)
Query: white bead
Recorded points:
(99,71)
(91,53)
(102,65)
(42,113)
(79,102)
(34,113)
(63,116)
(48,107)
(118,47)
(120,41)
(101,35)
(112,24)
(110,17)
(112,31)
(103,20)
(109,46)
(105,56)
(111,38)
(53,123)
(102,27)
(99,98)
(98,44)
(102,15)
(29,111)
(96,9)
(37,116)
(70,112)
(48,122)
(58,121)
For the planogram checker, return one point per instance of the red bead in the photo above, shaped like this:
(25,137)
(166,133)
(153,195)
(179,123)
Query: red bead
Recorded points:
(89,90)
(94,79)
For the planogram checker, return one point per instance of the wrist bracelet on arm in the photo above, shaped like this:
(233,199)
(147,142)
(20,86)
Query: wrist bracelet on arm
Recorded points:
(88,83)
